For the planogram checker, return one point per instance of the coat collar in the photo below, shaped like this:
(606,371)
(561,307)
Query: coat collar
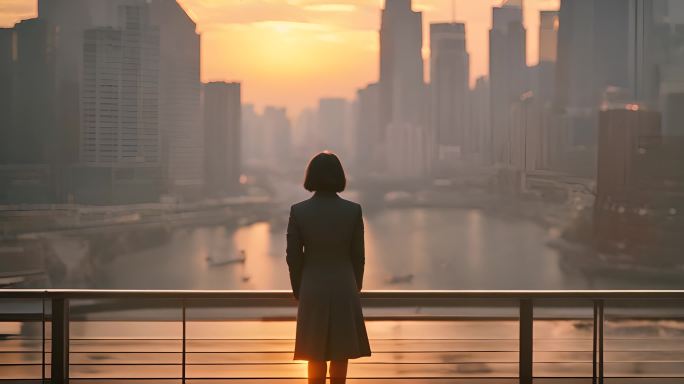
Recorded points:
(325,194)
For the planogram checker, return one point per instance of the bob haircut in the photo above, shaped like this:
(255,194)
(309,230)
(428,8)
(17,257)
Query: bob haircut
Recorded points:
(325,173)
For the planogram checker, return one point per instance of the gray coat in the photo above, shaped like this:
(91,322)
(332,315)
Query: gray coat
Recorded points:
(325,255)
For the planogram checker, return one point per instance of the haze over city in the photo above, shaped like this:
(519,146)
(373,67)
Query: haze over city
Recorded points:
(292,52)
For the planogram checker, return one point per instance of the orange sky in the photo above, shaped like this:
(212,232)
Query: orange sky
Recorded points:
(292,52)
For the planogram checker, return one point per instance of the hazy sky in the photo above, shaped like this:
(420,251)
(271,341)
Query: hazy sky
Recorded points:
(292,52)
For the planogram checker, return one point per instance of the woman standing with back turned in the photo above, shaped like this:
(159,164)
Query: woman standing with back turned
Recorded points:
(325,255)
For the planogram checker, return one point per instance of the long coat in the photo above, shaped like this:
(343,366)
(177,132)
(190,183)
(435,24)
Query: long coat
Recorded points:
(325,256)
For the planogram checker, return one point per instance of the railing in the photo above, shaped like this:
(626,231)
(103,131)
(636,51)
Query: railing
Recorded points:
(647,339)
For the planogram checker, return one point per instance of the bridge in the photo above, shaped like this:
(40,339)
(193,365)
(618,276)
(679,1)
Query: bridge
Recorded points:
(431,337)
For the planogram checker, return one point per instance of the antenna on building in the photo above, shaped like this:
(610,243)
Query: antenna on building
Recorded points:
(453,11)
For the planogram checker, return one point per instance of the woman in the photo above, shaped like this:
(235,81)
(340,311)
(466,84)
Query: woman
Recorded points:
(325,255)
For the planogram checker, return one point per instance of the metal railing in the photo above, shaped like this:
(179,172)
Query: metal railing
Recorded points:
(66,306)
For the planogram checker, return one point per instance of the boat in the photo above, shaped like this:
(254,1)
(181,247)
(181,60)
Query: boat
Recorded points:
(399,279)
(215,262)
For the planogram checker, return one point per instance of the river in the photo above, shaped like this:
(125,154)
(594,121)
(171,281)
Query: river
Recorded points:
(423,248)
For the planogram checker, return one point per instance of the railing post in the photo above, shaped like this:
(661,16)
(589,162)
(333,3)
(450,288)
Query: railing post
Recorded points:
(600,341)
(597,350)
(184,338)
(594,349)
(526,341)
(60,341)
(42,341)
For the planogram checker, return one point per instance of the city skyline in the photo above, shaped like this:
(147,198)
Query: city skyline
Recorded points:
(335,54)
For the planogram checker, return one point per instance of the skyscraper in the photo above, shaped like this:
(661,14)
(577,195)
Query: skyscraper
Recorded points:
(7,61)
(544,88)
(120,134)
(332,116)
(35,136)
(596,55)
(179,109)
(222,135)
(30,140)
(479,137)
(120,97)
(180,112)
(277,136)
(548,36)
(253,136)
(71,18)
(369,136)
(402,91)
(507,73)
(449,90)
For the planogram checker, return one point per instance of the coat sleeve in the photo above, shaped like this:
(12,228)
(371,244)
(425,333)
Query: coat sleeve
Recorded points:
(358,253)
(295,253)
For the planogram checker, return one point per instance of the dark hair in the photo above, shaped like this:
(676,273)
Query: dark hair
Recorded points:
(325,173)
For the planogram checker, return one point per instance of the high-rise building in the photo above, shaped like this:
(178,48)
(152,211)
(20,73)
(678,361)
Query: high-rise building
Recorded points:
(596,55)
(120,134)
(622,132)
(120,92)
(306,134)
(548,53)
(7,61)
(253,137)
(525,125)
(594,51)
(180,112)
(640,186)
(543,86)
(369,138)
(548,36)
(222,134)
(507,72)
(71,18)
(479,131)
(34,134)
(30,140)
(332,116)
(277,136)
(402,91)
(449,90)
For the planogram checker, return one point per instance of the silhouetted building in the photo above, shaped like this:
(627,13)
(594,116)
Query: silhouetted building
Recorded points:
(120,132)
(548,51)
(548,36)
(449,90)
(507,73)
(179,109)
(222,134)
(369,133)
(402,91)
(543,83)
(596,53)
(30,147)
(180,114)
(640,187)
(120,92)
(306,136)
(622,133)
(526,136)
(34,135)
(673,113)
(332,117)
(277,137)
(253,136)
(479,130)
(7,68)
(71,18)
